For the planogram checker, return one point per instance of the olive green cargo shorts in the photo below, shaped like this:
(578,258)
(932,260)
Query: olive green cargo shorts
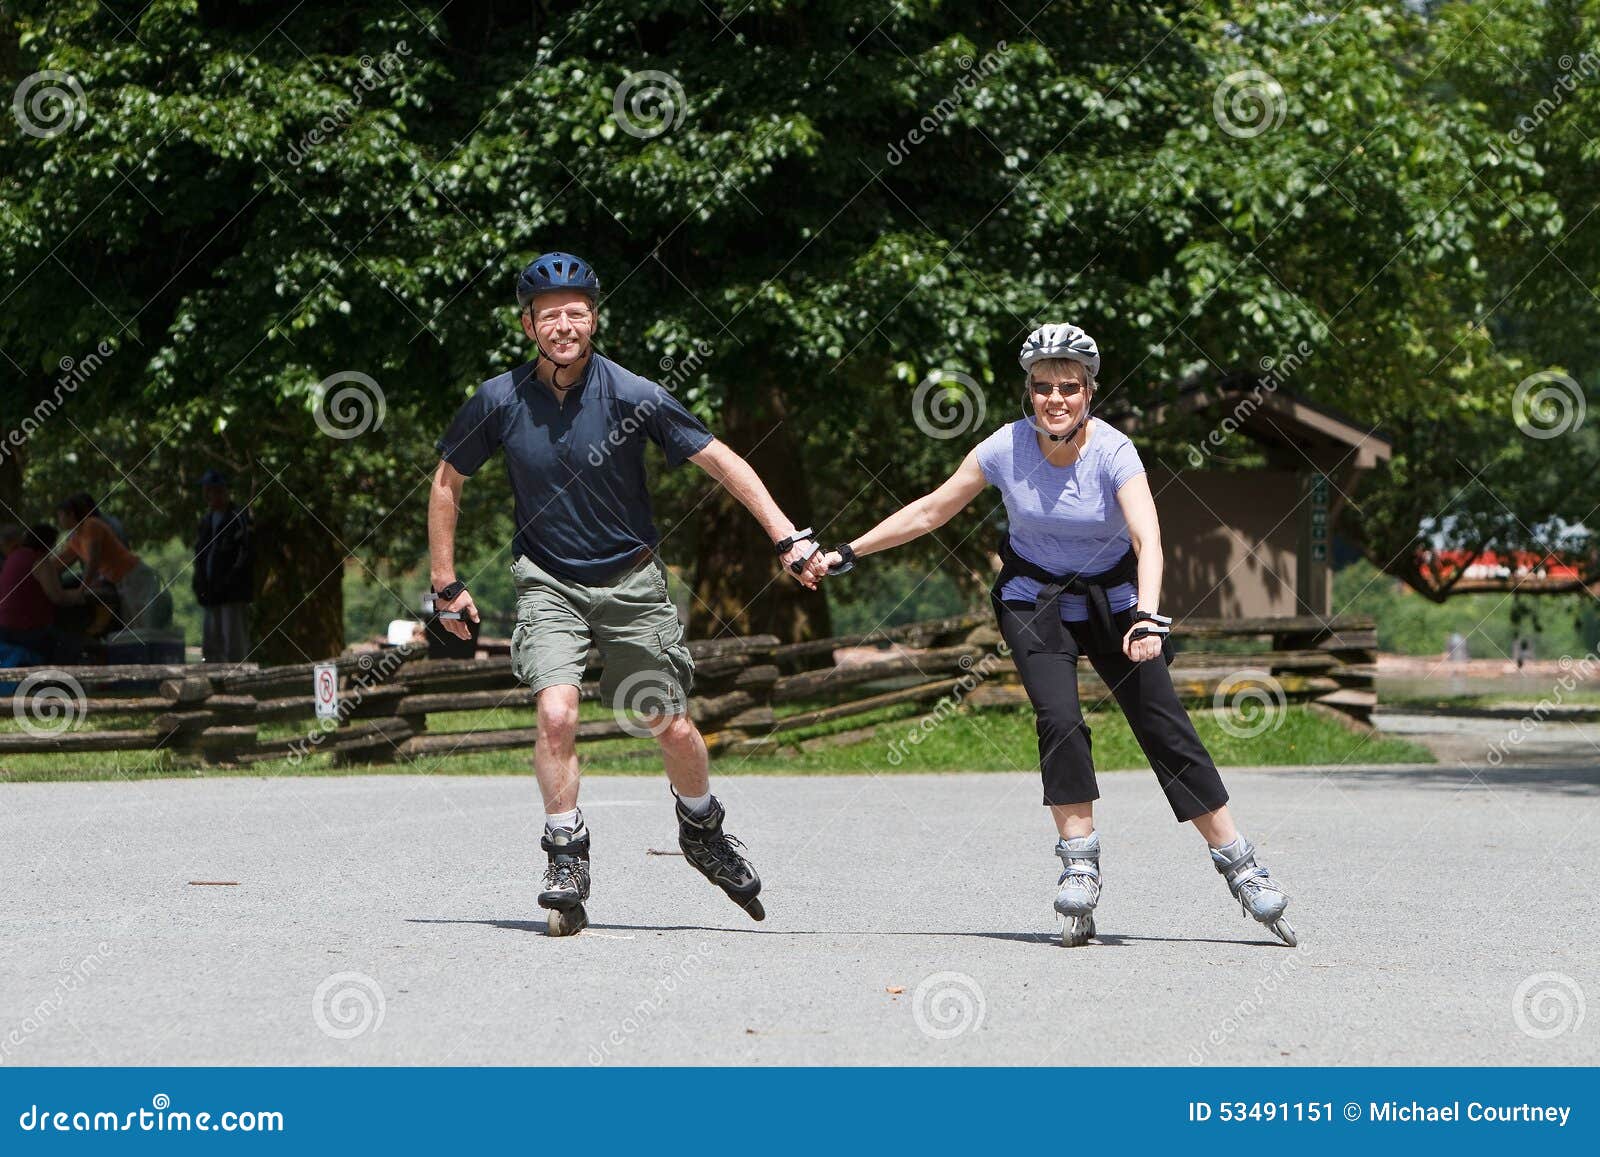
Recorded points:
(647,668)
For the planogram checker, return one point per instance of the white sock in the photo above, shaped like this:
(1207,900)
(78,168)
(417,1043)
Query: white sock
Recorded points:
(568,820)
(697,805)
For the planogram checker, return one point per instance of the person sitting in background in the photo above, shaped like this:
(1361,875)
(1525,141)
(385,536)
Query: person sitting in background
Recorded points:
(223,578)
(31,590)
(107,563)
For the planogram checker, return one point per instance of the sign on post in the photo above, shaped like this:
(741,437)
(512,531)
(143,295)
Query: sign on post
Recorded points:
(326,678)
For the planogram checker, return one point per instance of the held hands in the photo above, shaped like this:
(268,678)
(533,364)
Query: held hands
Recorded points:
(800,560)
(806,560)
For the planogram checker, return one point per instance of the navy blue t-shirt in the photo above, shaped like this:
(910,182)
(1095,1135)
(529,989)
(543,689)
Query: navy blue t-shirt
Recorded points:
(577,469)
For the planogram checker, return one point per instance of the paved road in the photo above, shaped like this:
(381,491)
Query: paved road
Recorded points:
(390,920)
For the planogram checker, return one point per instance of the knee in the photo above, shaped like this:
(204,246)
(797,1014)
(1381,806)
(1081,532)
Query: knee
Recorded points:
(1056,722)
(676,731)
(558,723)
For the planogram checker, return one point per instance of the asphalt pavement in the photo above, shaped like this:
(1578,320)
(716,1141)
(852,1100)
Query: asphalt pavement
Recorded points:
(1446,915)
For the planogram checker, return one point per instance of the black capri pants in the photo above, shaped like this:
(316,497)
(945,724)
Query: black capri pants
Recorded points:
(1182,765)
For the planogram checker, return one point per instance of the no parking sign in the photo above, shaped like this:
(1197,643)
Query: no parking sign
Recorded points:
(326,680)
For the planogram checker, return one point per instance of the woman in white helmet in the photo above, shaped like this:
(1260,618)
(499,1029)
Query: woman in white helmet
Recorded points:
(1082,576)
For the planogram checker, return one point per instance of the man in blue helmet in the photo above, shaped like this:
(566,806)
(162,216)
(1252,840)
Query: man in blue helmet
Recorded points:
(573,426)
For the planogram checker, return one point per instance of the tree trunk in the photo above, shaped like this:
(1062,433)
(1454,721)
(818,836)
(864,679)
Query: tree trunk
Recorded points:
(11,487)
(298,615)
(739,585)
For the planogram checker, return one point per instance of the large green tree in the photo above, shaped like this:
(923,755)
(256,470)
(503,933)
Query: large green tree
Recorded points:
(827,227)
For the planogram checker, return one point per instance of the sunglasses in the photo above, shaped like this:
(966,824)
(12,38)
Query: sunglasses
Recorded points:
(1045,389)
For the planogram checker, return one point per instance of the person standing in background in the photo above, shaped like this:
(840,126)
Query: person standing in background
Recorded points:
(224,572)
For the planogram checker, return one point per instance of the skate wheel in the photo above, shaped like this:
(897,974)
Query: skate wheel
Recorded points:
(1284,932)
(754,908)
(566,921)
(1077,931)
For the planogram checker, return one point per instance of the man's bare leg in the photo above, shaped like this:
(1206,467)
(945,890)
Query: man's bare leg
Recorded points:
(705,845)
(566,837)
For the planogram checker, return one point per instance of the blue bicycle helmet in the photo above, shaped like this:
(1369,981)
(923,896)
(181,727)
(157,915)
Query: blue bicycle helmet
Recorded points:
(552,271)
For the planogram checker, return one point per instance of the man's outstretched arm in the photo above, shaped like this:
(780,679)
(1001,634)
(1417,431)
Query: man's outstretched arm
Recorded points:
(741,481)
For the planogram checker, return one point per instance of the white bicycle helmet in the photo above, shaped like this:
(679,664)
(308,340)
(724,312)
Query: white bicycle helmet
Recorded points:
(1062,340)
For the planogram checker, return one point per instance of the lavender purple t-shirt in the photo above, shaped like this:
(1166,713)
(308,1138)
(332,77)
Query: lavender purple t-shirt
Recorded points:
(1065,518)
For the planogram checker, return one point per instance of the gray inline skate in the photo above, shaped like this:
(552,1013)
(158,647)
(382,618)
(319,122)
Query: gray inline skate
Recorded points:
(1250,884)
(1080,887)
(566,880)
(713,854)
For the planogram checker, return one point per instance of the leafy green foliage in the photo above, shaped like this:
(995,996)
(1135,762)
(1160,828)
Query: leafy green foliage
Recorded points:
(261,195)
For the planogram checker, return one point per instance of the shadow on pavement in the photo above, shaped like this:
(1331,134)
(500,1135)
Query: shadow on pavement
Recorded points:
(1102,940)
(1565,776)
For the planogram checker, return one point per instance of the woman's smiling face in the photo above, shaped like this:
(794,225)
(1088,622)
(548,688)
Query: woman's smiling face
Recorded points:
(1059,392)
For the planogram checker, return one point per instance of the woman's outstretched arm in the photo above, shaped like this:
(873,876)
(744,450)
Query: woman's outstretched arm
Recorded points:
(927,513)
